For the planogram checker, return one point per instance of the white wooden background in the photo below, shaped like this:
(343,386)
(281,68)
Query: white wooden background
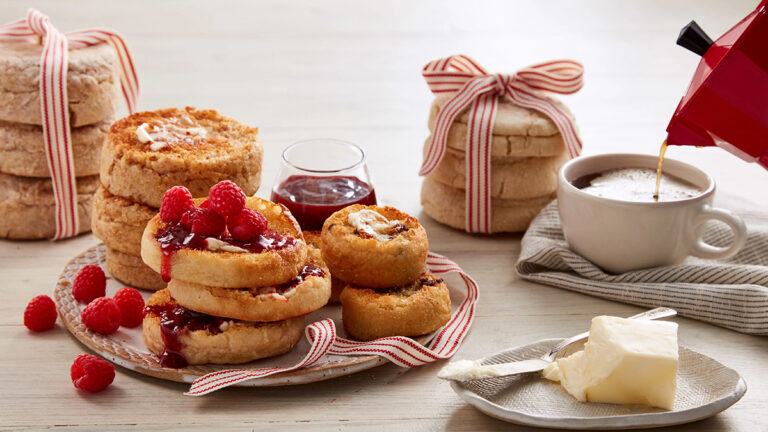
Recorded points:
(351,70)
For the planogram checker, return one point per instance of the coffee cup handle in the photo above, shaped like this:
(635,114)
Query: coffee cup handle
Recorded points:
(703,250)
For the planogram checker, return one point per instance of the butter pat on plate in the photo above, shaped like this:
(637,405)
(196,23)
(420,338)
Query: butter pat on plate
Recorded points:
(624,361)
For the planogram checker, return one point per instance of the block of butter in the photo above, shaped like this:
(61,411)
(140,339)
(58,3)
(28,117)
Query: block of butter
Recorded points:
(624,361)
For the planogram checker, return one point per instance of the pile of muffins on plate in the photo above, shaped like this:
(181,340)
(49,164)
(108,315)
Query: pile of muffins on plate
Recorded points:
(147,153)
(380,253)
(26,188)
(234,275)
(241,278)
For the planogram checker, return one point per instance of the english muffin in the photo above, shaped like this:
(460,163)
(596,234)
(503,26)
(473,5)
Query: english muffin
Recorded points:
(307,292)
(274,258)
(194,338)
(131,270)
(512,120)
(93,87)
(147,153)
(27,206)
(372,246)
(415,309)
(313,238)
(511,178)
(22,149)
(120,222)
(446,204)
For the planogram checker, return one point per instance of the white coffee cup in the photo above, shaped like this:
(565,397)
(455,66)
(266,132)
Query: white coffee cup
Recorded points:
(620,236)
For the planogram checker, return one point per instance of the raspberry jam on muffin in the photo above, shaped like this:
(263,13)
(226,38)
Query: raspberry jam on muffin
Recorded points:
(226,240)
(181,337)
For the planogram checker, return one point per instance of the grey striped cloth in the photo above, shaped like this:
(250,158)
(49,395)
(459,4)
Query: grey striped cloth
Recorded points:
(731,293)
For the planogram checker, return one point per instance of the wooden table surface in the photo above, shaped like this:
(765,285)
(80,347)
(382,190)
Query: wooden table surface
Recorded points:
(351,70)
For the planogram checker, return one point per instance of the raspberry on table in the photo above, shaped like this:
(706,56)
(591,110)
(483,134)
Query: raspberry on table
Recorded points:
(204,222)
(90,283)
(102,315)
(131,305)
(90,373)
(40,314)
(176,201)
(247,225)
(226,198)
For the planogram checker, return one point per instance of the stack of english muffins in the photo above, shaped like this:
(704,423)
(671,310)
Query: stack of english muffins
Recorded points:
(381,255)
(527,151)
(242,291)
(26,191)
(147,153)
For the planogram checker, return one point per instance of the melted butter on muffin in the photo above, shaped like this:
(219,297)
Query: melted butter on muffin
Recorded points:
(372,224)
(162,133)
(214,244)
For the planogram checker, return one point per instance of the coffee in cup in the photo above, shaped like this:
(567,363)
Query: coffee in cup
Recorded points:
(636,185)
(622,232)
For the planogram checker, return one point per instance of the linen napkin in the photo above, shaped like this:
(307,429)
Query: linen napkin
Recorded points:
(731,293)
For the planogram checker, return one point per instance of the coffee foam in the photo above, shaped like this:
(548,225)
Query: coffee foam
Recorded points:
(638,184)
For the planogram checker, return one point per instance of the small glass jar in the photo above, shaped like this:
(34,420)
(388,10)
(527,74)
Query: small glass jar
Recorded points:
(319,177)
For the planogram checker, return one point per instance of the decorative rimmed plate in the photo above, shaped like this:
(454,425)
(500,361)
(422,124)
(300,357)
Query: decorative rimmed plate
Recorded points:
(127,349)
(532,400)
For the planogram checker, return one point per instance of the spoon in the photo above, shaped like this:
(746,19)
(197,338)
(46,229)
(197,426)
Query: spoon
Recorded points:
(469,370)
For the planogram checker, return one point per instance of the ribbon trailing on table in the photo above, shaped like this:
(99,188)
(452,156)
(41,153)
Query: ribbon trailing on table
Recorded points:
(471,84)
(402,351)
(54,103)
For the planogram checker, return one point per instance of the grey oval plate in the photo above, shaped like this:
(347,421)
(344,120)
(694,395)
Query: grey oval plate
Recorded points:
(704,388)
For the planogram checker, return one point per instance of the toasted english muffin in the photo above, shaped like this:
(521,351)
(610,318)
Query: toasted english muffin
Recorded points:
(385,248)
(131,270)
(188,147)
(119,222)
(226,269)
(220,341)
(415,309)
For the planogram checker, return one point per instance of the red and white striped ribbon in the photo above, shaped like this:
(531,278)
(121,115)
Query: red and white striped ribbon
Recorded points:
(54,103)
(402,351)
(472,85)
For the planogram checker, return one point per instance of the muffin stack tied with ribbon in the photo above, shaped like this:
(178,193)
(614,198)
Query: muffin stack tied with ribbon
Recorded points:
(497,142)
(149,152)
(58,97)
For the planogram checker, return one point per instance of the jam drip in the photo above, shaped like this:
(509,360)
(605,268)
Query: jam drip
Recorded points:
(174,320)
(175,236)
(312,199)
(429,281)
(306,272)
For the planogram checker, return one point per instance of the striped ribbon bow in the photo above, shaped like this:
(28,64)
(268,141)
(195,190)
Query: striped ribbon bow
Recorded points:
(400,350)
(472,85)
(54,103)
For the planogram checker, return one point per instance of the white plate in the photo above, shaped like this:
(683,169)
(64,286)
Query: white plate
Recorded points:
(704,388)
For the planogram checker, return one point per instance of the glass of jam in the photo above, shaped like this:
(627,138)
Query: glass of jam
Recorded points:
(320,177)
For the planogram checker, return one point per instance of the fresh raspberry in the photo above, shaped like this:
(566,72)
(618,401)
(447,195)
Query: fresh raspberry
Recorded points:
(40,314)
(246,225)
(204,204)
(89,284)
(102,315)
(226,198)
(204,222)
(131,305)
(176,201)
(90,373)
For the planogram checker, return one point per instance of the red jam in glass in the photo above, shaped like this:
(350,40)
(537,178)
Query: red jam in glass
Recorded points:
(312,199)
(175,236)
(174,320)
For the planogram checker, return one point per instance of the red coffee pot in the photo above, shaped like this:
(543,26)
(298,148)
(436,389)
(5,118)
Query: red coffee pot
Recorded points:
(726,104)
